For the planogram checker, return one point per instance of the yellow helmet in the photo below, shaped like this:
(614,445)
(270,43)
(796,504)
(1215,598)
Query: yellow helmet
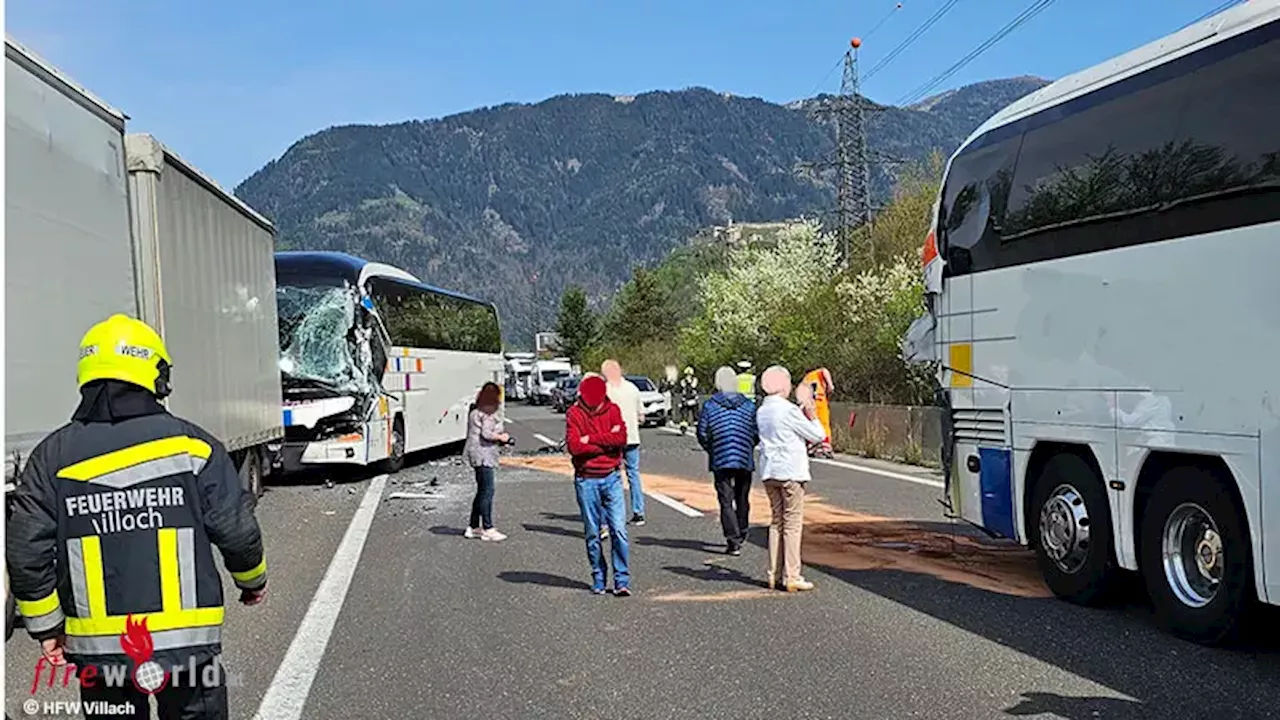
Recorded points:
(126,349)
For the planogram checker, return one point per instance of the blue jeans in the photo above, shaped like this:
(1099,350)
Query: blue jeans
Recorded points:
(631,458)
(601,501)
(482,505)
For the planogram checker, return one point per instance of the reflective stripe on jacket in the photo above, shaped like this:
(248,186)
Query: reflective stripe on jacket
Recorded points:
(747,384)
(113,520)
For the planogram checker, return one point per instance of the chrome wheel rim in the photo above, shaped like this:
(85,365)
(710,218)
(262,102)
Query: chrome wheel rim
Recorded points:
(1192,555)
(1064,529)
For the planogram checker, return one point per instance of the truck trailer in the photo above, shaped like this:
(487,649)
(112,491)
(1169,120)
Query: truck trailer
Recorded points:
(99,222)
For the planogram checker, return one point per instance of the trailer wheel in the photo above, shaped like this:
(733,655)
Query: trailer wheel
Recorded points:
(251,473)
(1195,558)
(1071,527)
(395,462)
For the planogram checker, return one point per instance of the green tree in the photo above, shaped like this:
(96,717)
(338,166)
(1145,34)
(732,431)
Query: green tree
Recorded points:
(641,312)
(900,228)
(577,326)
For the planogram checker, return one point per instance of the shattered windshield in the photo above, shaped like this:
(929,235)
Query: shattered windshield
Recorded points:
(317,338)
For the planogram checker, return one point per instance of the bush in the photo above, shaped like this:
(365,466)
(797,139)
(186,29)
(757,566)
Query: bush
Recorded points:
(787,301)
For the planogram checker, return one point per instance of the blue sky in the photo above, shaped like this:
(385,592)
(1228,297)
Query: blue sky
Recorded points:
(232,84)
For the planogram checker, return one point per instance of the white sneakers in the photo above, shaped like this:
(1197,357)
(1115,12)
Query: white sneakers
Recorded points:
(491,535)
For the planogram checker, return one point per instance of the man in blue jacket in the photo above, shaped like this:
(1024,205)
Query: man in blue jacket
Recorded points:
(727,431)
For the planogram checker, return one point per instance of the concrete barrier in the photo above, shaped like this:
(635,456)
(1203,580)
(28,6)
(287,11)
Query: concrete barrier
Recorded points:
(904,433)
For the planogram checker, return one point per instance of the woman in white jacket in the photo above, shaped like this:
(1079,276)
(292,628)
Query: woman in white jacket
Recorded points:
(784,465)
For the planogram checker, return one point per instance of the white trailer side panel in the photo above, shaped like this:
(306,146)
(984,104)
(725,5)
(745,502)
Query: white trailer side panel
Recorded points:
(67,241)
(208,283)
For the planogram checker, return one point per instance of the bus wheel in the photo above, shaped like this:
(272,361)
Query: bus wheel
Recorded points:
(1194,555)
(395,462)
(1073,530)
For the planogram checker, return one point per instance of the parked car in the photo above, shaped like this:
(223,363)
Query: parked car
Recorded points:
(564,394)
(543,377)
(653,402)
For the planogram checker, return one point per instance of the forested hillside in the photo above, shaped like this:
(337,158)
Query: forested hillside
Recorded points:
(514,202)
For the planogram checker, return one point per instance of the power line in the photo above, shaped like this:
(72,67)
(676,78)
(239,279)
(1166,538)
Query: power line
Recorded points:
(888,16)
(826,77)
(1034,9)
(880,24)
(915,35)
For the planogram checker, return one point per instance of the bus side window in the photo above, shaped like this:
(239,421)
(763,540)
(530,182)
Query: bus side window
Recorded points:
(377,347)
(1105,156)
(973,204)
(1231,135)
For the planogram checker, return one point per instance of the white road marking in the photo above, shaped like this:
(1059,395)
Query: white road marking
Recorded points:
(544,439)
(884,473)
(674,504)
(287,694)
(860,468)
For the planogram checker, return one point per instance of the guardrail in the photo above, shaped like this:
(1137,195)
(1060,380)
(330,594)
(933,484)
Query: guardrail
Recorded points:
(905,433)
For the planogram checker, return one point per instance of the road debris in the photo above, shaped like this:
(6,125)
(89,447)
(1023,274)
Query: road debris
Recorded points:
(411,496)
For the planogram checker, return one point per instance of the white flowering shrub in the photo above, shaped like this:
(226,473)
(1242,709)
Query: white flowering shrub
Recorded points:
(789,302)
(751,308)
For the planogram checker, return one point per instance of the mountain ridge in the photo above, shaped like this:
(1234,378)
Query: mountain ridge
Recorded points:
(514,202)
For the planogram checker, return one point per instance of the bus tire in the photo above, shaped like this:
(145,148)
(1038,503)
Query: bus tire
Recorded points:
(395,462)
(1193,533)
(1070,521)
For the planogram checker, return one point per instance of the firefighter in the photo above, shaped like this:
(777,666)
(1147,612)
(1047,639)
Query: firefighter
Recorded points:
(688,400)
(746,379)
(110,545)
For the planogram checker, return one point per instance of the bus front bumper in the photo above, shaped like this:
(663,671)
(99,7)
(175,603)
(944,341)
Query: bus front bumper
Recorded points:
(292,456)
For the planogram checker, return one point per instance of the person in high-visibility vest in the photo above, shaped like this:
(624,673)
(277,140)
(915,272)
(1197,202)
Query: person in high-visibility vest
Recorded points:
(746,379)
(819,381)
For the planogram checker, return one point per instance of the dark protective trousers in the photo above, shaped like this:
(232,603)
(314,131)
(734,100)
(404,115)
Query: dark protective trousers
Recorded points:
(733,490)
(179,700)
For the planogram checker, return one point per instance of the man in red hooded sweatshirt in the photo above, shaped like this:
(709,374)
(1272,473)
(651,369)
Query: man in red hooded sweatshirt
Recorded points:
(596,437)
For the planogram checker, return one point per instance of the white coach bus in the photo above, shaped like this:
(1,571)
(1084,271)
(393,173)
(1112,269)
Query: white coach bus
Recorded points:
(1102,292)
(375,364)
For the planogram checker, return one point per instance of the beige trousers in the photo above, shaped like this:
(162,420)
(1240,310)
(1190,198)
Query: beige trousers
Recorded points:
(786,503)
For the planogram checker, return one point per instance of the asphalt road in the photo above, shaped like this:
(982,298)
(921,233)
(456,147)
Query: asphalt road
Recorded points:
(435,626)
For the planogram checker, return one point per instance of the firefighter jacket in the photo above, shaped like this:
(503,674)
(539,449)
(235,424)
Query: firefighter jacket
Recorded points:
(116,515)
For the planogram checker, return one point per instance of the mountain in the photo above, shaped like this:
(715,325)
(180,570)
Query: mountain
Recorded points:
(514,202)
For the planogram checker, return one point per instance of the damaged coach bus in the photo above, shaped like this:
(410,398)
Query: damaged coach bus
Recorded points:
(374,363)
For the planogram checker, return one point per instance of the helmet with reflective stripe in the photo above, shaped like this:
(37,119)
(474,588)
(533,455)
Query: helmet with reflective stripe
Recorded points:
(125,349)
